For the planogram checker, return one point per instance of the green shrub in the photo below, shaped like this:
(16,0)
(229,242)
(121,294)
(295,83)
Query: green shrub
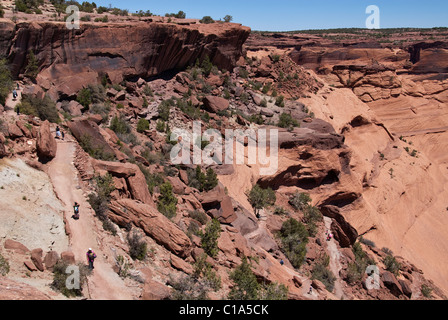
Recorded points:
(137,246)
(164,109)
(96,152)
(189,288)
(426,291)
(199,216)
(4,266)
(391,264)
(179,15)
(203,182)
(300,200)
(287,121)
(210,236)
(2,12)
(32,68)
(142,125)
(28,6)
(100,199)
(44,108)
(357,268)
(280,101)
(204,269)
(228,18)
(294,238)
(60,278)
(120,125)
(167,204)
(6,83)
(207,20)
(321,272)
(260,198)
(273,291)
(246,286)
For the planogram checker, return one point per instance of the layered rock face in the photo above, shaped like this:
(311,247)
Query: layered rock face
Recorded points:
(79,57)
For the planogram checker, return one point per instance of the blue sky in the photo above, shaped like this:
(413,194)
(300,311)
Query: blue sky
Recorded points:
(285,15)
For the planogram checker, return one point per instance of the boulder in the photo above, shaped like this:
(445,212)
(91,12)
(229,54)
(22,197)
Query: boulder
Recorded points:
(36,257)
(153,290)
(136,181)
(391,283)
(218,204)
(15,246)
(50,260)
(68,257)
(345,232)
(30,265)
(215,104)
(14,131)
(46,143)
(166,233)
(88,131)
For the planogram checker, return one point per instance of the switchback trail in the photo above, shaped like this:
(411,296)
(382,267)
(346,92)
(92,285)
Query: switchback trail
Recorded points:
(103,283)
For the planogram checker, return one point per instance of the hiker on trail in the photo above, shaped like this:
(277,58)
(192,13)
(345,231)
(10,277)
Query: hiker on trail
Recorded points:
(76,210)
(91,256)
(58,132)
(281,261)
(14,94)
(18,110)
(310,291)
(18,87)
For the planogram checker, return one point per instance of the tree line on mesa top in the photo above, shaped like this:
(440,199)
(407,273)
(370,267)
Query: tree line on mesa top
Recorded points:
(32,6)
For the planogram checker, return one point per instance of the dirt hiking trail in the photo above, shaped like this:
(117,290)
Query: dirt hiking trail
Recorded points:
(103,283)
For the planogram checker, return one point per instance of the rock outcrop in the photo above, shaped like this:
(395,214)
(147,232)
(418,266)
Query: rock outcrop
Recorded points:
(153,223)
(46,143)
(79,58)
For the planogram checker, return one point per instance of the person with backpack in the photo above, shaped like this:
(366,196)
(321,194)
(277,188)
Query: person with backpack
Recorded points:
(76,210)
(91,256)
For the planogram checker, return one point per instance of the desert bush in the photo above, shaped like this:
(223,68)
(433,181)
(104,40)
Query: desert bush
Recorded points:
(28,6)
(199,216)
(60,279)
(142,125)
(357,268)
(100,199)
(167,202)
(4,266)
(204,270)
(391,264)
(6,82)
(426,291)
(294,237)
(96,152)
(260,198)
(44,108)
(164,109)
(228,18)
(189,288)
(207,20)
(287,121)
(300,200)
(203,182)
(178,15)
(137,246)
(246,286)
(210,236)
(321,272)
